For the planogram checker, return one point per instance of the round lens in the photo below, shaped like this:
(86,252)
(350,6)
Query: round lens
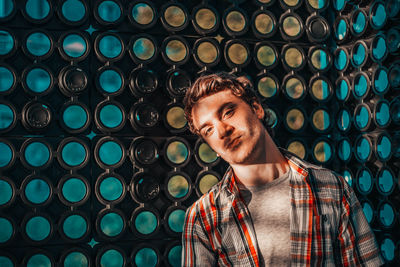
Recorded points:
(297,148)
(322,151)
(386,181)
(146,115)
(7,43)
(384,148)
(317,4)
(338,5)
(264,23)
(321,120)
(378,15)
(176,219)
(388,249)
(146,188)
(37,154)
(74,153)
(175,16)
(7,9)
(142,13)
(75,117)
(206,154)
(381,81)
(177,152)
(267,87)
(319,59)
(74,45)
(110,153)
(6,192)
(110,46)
(363,149)
(362,117)
(146,152)
(379,48)
(111,188)
(7,79)
(109,11)
(111,116)
(38,80)
(344,150)
(235,21)
(143,48)
(38,228)
(6,116)
(6,262)
(320,89)
(6,154)
(205,18)
(37,191)
(359,54)
(348,177)
(178,186)
(176,117)
(294,88)
(176,50)
(343,121)
(341,59)
(37,115)
(295,119)
(38,44)
(341,29)
(271,118)
(174,256)
(7,230)
(342,90)
(386,215)
(290,3)
(359,22)
(360,85)
(112,258)
(382,113)
(237,53)
(146,222)
(368,211)
(37,9)
(73,10)
(76,259)
(146,257)
(206,182)
(293,57)
(110,81)
(74,226)
(266,55)
(112,224)
(74,190)
(39,260)
(291,26)
(207,52)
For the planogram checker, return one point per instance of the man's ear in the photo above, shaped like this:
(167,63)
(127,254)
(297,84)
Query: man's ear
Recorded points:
(258,109)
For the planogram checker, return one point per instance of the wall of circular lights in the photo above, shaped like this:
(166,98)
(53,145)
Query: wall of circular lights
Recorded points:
(97,165)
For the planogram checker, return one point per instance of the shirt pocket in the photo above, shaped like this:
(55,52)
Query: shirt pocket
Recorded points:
(322,253)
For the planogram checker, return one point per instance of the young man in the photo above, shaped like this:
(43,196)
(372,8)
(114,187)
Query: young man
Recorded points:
(270,208)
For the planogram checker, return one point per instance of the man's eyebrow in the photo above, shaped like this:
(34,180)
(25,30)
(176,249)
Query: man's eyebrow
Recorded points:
(219,112)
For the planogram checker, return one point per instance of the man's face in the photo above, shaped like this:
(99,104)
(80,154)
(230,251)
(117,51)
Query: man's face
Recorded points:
(230,126)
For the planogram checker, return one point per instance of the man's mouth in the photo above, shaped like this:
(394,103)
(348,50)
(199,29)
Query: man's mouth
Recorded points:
(233,143)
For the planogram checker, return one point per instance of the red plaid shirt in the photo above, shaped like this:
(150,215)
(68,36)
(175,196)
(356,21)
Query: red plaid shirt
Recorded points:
(327,224)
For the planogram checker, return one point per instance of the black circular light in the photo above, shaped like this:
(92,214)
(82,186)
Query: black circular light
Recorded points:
(377,15)
(36,153)
(36,190)
(143,81)
(174,220)
(341,59)
(36,115)
(111,255)
(205,155)
(317,28)
(363,148)
(341,29)
(72,80)
(382,113)
(364,180)
(321,120)
(8,116)
(178,81)
(110,224)
(359,22)
(144,187)
(342,88)
(362,117)
(74,226)
(361,85)
(322,150)
(145,222)
(143,116)
(359,54)
(143,151)
(37,228)
(178,186)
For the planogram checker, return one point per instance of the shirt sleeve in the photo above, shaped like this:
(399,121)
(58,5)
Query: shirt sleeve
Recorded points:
(356,242)
(196,248)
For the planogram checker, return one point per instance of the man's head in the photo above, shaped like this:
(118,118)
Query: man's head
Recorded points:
(224,110)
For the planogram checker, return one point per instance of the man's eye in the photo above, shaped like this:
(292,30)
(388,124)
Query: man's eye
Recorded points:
(228,113)
(207,131)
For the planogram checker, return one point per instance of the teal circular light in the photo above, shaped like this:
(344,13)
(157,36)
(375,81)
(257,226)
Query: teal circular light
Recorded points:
(6,230)
(378,15)
(388,249)
(6,116)
(146,222)
(39,260)
(109,11)
(146,257)
(342,90)
(175,256)
(144,48)
(37,191)
(7,43)
(111,116)
(341,29)
(338,5)
(73,153)
(359,23)
(319,59)
(110,46)
(38,44)
(110,153)
(110,81)
(6,262)
(112,224)
(382,113)
(363,149)
(74,190)
(38,80)
(76,259)
(381,81)
(73,10)
(362,117)
(37,154)
(6,79)
(384,148)
(74,45)
(112,258)
(344,150)
(386,181)
(386,214)
(74,226)
(341,60)
(6,154)
(360,86)
(5,11)
(343,121)
(348,177)
(38,228)
(379,48)
(111,188)
(368,211)
(365,181)
(75,117)
(6,192)
(176,220)
(359,54)
(37,9)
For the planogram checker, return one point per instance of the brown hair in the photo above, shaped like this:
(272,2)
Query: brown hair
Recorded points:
(213,83)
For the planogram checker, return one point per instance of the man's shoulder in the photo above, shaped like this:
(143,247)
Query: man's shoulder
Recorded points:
(208,200)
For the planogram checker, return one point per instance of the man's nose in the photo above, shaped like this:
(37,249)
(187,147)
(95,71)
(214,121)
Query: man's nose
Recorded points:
(224,130)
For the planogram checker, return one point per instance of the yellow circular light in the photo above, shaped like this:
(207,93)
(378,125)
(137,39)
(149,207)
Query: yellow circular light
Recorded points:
(176,118)
(297,148)
(266,55)
(291,26)
(206,182)
(320,120)
(322,151)
(264,23)
(291,3)
(293,57)
(177,152)
(237,53)
(205,18)
(143,13)
(294,88)
(178,186)
(318,89)
(175,16)
(235,21)
(267,87)
(295,119)
(207,52)
(317,4)
(143,48)
(176,50)
(206,153)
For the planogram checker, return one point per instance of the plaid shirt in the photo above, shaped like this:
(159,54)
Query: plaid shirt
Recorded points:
(327,226)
